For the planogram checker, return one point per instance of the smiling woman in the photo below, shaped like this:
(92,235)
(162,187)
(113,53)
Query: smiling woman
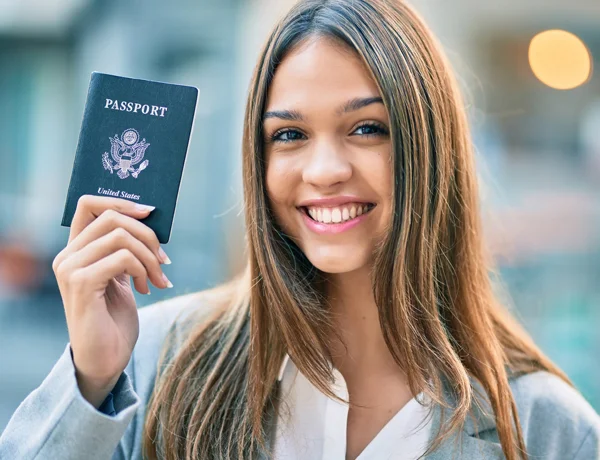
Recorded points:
(368,277)
(366,325)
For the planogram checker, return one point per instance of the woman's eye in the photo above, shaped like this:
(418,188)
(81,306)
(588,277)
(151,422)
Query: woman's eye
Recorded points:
(290,135)
(372,129)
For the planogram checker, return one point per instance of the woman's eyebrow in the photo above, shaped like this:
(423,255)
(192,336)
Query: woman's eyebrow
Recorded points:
(358,103)
(349,106)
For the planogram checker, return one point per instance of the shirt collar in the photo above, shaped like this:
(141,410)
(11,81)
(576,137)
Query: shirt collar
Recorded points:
(284,363)
(482,414)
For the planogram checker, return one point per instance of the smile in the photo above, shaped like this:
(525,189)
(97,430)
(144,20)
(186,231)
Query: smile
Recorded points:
(328,220)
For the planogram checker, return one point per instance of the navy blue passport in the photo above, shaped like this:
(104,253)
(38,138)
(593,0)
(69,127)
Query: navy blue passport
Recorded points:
(133,144)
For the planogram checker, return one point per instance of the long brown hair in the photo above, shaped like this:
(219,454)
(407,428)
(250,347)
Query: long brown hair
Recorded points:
(432,277)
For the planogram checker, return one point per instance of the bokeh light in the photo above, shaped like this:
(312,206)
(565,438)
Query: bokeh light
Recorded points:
(560,59)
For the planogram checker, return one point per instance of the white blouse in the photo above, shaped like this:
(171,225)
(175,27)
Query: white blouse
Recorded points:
(313,426)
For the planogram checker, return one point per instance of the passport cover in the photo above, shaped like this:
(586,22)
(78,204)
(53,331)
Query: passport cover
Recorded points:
(133,144)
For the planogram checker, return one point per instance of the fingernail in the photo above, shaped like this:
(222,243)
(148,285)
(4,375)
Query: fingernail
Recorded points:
(166,280)
(144,207)
(164,257)
(148,293)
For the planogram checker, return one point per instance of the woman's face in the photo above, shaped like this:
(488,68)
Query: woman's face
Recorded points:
(328,153)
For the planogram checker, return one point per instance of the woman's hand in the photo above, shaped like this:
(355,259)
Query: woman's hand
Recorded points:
(107,244)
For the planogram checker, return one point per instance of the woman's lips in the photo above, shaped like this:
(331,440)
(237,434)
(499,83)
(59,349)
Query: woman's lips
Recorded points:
(332,228)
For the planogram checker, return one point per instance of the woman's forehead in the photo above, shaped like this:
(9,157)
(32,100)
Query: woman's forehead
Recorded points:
(319,74)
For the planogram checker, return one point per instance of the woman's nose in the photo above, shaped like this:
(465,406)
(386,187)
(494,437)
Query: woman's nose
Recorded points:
(327,165)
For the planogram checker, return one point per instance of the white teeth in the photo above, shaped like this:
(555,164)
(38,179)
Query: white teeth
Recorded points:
(337,215)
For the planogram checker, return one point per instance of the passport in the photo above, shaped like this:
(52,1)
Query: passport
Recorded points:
(133,144)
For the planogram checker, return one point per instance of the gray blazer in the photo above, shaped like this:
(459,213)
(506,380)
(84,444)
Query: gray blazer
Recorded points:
(56,422)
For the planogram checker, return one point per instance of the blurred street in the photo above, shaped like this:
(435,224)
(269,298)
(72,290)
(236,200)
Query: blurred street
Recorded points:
(535,118)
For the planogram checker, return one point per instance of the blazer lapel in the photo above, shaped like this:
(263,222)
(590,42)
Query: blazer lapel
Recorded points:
(466,444)
(467,448)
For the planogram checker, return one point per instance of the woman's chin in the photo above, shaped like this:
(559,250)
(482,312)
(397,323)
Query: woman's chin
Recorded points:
(336,261)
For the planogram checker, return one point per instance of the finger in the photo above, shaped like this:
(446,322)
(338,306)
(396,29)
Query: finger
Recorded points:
(117,239)
(89,207)
(95,277)
(108,221)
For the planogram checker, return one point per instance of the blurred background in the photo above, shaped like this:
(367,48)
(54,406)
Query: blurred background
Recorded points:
(527,70)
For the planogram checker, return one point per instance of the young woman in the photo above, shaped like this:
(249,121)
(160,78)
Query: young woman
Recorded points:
(365,326)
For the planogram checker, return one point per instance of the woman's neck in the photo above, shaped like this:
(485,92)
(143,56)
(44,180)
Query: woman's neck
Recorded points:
(356,320)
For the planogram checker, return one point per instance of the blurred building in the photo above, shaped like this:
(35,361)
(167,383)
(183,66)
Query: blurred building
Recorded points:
(537,148)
